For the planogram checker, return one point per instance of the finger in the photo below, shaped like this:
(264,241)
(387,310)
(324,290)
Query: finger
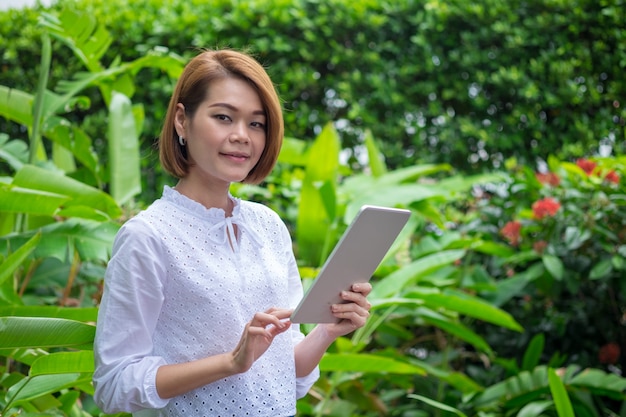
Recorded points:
(276,318)
(281,313)
(348,308)
(354,318)
(356,298)
(362,287)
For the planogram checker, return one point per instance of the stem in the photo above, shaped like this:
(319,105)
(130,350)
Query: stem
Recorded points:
(44,69)
(334,381)
(29,273)
(70,280)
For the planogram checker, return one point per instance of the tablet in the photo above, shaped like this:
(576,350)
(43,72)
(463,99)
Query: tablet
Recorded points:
(354,259)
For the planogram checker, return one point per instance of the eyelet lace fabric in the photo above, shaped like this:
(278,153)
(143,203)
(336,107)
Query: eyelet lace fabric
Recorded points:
(209,290)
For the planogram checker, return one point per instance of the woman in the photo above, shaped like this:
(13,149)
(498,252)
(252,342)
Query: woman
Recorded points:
(194,318)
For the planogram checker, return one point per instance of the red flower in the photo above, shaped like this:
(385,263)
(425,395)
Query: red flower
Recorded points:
(613,177)
(549,178)
(545,207)
(510,231)
(609,353)
(586,165)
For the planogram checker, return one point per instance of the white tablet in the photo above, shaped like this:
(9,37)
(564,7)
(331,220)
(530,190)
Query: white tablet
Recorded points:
(354,259)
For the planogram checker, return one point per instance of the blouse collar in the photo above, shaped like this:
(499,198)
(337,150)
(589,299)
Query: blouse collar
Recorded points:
(217,217)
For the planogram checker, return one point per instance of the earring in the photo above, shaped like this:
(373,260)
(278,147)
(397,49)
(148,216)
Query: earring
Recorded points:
(181,140)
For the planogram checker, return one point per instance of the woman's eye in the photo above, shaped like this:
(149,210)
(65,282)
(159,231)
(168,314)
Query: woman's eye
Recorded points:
(222,117)
(259,125)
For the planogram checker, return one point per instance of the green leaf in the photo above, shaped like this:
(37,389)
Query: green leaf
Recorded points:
(63,158)
(602,269)
(465,304)
(71,137)
(575,237)
(29,389)
(511,287)
(554,266)
(559,395)
(360,362)
(376,160)
(14,152)
(314,222)
(81,33)
(402,195)
(16,105)
(293,152)
(600,382)
(63,363)
(93,240)
(35,178)
(511,389)
(33,332)
(395,282)
(532,356)
(84,314)
(28,201)
(535,408)
(125,175)
(15,259)
(437,404)
(454,328)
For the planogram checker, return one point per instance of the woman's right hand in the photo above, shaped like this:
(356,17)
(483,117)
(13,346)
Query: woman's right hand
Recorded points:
(258,335)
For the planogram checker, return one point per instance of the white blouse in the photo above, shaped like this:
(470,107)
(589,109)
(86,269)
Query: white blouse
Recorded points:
(176,291)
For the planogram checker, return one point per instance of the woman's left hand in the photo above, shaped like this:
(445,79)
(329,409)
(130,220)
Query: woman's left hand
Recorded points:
(354,313)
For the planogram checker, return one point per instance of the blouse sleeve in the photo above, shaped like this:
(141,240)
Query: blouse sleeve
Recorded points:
(125,372)
(303,384)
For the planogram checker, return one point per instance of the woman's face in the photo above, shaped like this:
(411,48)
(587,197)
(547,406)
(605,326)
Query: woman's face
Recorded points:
(226,136)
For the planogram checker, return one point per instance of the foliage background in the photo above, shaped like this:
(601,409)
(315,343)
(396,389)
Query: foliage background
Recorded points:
(465,100)
(468,83)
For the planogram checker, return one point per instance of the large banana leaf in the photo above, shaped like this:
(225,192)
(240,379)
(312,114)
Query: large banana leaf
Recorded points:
(84,314)
(123,150)
(32,388)
(93,203)
(34,332)
(317,209)
(63,363)
(91,239)
(25,200)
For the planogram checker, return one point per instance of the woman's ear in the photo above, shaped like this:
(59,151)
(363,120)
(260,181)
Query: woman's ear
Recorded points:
(180,120)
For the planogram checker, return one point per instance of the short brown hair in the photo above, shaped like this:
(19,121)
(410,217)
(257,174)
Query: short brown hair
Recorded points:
(191,90)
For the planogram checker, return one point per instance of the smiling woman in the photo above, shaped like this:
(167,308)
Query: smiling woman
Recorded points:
(204,282)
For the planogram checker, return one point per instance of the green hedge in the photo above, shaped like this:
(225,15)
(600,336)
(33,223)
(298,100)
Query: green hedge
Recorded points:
(469,83)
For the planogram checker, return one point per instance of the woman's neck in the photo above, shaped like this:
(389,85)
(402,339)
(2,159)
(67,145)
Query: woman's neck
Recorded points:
(209,197)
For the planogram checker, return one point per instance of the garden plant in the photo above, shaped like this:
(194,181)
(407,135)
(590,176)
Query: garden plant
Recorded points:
(503,296)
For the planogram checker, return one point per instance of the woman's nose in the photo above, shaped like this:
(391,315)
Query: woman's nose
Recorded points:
(239,133)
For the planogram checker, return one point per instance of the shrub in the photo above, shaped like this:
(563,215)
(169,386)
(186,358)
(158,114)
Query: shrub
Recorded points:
(566,228)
